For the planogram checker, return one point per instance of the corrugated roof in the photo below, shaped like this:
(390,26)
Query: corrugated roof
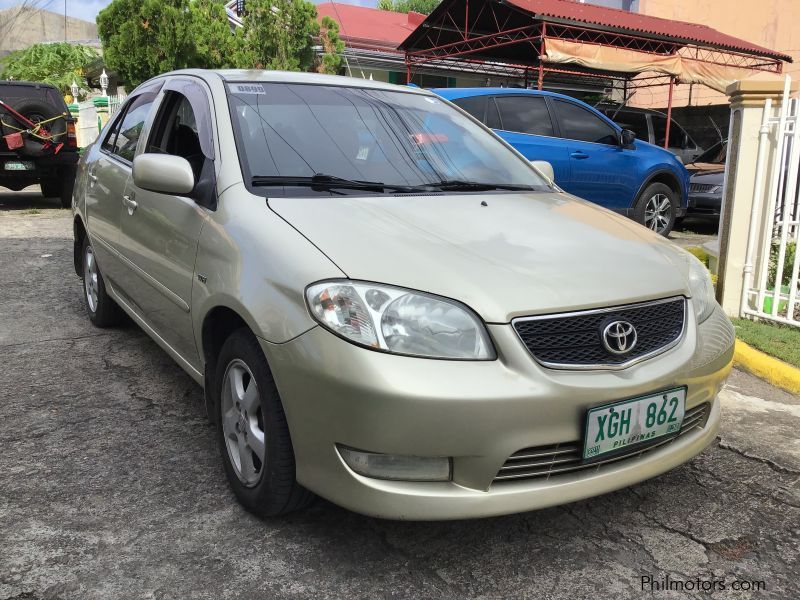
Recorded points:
(633,22)
(364,27)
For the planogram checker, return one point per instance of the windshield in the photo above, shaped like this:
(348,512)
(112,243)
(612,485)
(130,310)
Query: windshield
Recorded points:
(334,139)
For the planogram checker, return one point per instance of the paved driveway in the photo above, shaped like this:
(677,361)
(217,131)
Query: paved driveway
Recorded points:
(111,487)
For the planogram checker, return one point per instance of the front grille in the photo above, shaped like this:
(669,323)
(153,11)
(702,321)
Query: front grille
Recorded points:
(701,188)
(558,459)
(573,340)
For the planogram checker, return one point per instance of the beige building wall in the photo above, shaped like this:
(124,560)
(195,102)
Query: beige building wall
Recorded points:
(20,28)
(772,24)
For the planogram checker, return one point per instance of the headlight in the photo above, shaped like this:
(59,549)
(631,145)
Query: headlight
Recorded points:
(715,190)
(701,289)
(400,321)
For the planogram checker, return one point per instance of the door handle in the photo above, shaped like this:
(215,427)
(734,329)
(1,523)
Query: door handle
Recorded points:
(579,155)
(130,203)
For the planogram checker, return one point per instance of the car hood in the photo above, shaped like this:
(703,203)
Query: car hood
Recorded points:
(715,177)
(505,255)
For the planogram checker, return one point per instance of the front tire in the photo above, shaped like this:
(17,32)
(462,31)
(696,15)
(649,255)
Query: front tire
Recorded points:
(656,208)
(252,432)
(103,311)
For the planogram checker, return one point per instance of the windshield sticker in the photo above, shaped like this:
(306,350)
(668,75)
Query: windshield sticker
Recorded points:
(248,88)
(363,153)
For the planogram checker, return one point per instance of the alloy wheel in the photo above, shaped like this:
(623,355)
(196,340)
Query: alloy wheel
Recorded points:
(90,279)
(242,423)
(657,213)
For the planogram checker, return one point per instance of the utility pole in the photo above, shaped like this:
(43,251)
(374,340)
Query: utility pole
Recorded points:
(65,20)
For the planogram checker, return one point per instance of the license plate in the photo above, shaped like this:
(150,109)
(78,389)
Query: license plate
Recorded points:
(614,427)
(19,165)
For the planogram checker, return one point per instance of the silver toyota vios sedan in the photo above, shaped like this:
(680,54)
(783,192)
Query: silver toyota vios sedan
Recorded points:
(387,305)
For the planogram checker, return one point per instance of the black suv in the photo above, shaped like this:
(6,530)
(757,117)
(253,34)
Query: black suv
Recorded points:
(47,156)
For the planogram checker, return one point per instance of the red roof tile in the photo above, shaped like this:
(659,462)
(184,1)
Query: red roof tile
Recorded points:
(364,27)
(644,24)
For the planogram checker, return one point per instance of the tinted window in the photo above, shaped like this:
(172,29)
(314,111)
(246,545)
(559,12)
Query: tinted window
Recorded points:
(108,142)
(578,123)
(493,115)
(635,121)
(476,106)
(396,138)
(677,137)
(525,114)
(125,140)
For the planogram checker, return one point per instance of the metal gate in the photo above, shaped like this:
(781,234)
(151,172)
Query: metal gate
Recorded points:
(772,262)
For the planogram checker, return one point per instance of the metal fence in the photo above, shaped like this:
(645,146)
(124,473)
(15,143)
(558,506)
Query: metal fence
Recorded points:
(772,262)
(114,102)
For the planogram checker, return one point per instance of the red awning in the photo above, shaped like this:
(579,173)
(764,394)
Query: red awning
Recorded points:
(617,20)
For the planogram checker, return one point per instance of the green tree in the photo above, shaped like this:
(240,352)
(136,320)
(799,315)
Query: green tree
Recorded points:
(57,63)
(333,46)
(143,38)
(215,45)
(278,34)
(421,6)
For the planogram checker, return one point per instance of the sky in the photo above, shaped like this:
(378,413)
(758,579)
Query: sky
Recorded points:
(88,9)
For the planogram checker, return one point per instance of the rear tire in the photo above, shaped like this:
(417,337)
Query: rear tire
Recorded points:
(65,188)
(103,311)
(50,188)
(252,432)
(656,208)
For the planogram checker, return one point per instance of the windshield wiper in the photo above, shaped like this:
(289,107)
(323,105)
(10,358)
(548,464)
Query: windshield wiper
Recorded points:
(322,181)
(457,185)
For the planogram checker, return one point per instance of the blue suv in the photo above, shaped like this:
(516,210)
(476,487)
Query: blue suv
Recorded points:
(592,157)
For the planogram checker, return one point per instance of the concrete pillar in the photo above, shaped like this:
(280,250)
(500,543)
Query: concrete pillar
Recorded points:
(747,99)
(101,104)
(74,111)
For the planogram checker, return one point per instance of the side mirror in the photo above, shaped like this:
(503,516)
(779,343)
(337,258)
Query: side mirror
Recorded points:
(163,173)
(545,168)
(627,138)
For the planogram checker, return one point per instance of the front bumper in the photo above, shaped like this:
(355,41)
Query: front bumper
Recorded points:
(704,205)
(479,413)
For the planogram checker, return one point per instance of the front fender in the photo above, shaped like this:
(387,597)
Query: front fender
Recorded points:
(253,262)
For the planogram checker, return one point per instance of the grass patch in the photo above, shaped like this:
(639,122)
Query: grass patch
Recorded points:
(780,341)
(31,211)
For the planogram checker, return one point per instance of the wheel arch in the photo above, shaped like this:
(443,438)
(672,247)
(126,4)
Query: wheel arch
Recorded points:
(218,323)
(663,176)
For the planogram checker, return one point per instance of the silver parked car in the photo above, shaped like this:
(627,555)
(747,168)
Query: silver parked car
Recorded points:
(387,305)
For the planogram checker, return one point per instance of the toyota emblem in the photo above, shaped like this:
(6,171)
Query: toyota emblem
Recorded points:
(619,337)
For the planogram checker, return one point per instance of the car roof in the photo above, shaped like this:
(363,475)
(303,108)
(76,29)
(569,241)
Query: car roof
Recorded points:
(36,84)
(454,93)
(257,75)
(458,93)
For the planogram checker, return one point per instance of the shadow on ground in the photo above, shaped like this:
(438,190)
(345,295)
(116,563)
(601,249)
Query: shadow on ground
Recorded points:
(27,199)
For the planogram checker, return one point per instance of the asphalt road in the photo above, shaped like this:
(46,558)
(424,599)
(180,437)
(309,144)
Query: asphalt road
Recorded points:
(111,486)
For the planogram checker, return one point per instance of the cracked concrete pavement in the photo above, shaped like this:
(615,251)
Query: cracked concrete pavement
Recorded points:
(111,486)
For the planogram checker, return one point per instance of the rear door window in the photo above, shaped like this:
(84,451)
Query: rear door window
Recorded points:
(493,115)
(635,121)
(677,136)
(525,114)
(578,123)
(123,139)
(476,106)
